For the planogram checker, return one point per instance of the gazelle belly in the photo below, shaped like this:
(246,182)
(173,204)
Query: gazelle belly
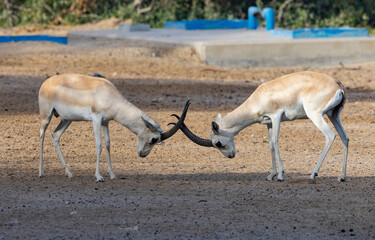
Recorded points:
(294,112)
(73,113)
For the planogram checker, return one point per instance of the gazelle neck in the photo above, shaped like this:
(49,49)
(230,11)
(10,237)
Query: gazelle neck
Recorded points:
(238,119)
(129,116)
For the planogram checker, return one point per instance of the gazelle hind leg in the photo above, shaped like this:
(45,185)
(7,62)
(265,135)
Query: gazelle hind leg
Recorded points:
(329,135)
(108,146)
(43,128)
(56,135)
(273,173)
(345,141)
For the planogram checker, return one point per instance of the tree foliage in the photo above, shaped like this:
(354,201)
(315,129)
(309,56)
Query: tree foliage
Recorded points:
(289,13)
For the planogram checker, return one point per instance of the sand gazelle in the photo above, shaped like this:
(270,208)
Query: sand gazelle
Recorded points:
(76,97)
(294,96)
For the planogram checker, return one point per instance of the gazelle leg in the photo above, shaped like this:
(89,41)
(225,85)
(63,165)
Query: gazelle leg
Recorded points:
(274,171)
(97,123)
(345,141)
(56,135)
(43,128)
(329,135)
(276,118)
(107,145)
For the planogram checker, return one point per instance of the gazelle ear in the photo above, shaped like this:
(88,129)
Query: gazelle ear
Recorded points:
(150,126)
(218,118)
(215,127)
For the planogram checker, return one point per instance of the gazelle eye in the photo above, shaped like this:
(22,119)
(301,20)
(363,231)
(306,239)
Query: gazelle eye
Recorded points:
(153,141)
(219,145)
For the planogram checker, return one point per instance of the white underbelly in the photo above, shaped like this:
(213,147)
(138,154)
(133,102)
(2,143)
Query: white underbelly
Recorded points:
(288,114)
(294,113)
(73,113)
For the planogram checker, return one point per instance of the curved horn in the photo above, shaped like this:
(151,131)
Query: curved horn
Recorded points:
(174,129)
(194,138)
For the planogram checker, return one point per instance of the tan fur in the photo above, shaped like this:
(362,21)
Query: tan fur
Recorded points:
(75,97)
(298,95)
(315,88)
(65,89)
(286,90)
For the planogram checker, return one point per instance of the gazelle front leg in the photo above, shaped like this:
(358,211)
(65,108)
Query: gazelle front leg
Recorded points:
(274,171)
(276,118)
(97,123)
(43,128)
(108,145)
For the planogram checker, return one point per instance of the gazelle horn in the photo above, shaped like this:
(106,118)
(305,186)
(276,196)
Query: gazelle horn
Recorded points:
(194,138)
(174,129)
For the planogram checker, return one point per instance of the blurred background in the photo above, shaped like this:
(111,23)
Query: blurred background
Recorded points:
(289,14)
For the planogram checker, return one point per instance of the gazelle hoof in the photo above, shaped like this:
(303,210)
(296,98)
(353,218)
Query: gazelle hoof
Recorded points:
(113,177)
(69,174)
(271,177)
(100,180)
(313,175)
(341,179)
(280,180)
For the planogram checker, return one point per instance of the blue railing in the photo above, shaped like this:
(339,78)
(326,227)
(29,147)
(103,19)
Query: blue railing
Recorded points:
(56,39)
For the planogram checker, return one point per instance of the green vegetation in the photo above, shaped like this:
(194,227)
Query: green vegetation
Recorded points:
(289,13)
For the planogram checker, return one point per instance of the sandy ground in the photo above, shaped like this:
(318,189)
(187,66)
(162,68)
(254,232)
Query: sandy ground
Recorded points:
(180,190)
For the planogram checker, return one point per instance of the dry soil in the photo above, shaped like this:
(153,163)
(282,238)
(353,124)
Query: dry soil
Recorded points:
(180,190)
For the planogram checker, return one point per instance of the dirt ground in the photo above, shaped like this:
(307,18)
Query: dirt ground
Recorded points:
(180,190)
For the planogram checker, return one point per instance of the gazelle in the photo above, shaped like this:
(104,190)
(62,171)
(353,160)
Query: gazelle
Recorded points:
(294,96)
(76,97)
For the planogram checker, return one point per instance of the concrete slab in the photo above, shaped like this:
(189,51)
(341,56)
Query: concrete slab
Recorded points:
(134,27)
(244,48)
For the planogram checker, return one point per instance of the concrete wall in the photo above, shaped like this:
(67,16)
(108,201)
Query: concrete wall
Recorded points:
(240,48)
(311,52)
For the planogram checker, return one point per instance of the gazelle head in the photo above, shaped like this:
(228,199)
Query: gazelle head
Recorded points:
(148,136)
(152,134)
(220,139)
